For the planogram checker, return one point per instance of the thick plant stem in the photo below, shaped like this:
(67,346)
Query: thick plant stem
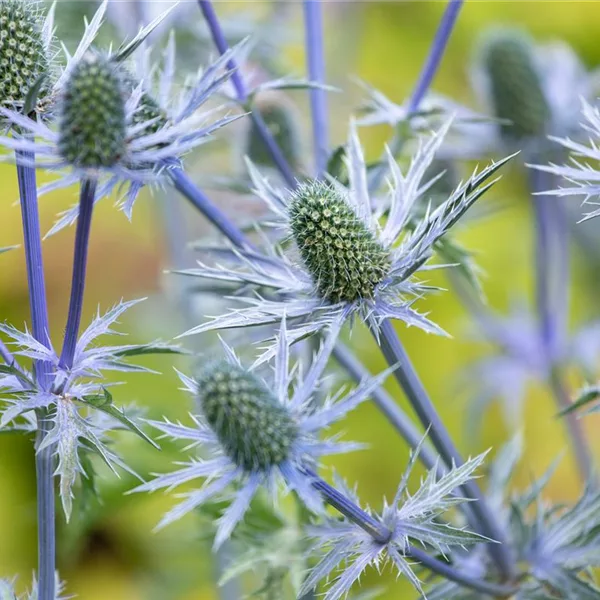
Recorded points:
(44,459)
(44,472)
(395,415)
(395,354)
(313,28)
(552,303)
(241,91)
(436,53)
(382,535)
(186,187)
(82,242)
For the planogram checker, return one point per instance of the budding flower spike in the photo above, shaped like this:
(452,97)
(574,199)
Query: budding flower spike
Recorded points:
(345,260)
(257,433)
(531,89)
(80,407)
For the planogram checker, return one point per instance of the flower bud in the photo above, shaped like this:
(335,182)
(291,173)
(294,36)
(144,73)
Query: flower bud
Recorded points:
(92,128)
(343,256)
(515,86)
(254,428)
(23,58)
(278,115)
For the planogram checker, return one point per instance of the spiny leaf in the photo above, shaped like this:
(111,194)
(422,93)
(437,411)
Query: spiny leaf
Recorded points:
(104,403)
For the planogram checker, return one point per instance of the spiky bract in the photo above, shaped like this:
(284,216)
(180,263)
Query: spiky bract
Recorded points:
(515,85)
(343,256)
(92,130)
(254,428)
(23,57)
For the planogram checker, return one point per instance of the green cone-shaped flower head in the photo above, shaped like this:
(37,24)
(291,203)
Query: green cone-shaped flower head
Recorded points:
(343,256)
(256,431)
(515,85)
(23,58)
(92,127)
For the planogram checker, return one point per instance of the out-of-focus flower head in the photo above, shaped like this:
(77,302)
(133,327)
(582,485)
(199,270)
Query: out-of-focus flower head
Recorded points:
(257,434)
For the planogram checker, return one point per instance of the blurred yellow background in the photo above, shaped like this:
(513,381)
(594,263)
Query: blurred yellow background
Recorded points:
(112,552)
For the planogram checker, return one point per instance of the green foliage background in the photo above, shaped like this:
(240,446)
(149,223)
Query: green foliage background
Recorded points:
(110,551)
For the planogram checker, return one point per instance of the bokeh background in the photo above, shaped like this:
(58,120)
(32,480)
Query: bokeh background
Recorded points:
(110,551)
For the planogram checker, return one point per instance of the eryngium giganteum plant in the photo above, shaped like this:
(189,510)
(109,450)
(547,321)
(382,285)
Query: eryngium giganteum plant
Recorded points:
(347,241)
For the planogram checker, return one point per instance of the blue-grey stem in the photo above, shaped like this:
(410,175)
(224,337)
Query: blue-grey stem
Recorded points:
(409,381)
(242,95)
(187,188)
(44,459)
(315,57)
(394,414)
(382,535)
(82,242)
(447,571)
(6,355)
(552,302)
(434,58)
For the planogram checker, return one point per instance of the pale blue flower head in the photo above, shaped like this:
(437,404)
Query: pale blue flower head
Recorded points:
(342,258)
(257,433)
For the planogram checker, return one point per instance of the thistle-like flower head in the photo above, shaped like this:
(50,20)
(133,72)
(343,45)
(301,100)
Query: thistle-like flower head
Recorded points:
(531,88)
(79,407)
(255,430)
(344,259)
(92,127)
(516,90)
(257,433)
(158,127)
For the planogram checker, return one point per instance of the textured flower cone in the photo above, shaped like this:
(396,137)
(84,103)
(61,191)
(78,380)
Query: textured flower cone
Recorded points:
(92,131)
(23,57)
(280,120)
(344,258)
(516,88)
(256,431)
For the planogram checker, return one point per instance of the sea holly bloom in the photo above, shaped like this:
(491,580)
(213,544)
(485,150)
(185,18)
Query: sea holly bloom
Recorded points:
(74,397)
(133,133)
(409,518)
(257,433)
(162,125)
(342,259)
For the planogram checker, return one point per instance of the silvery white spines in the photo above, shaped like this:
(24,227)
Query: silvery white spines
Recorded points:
(257,434)
(409,518)
(163,123)
(579,177)
(74,397)
(303,290)
(144,144)
(7,591)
